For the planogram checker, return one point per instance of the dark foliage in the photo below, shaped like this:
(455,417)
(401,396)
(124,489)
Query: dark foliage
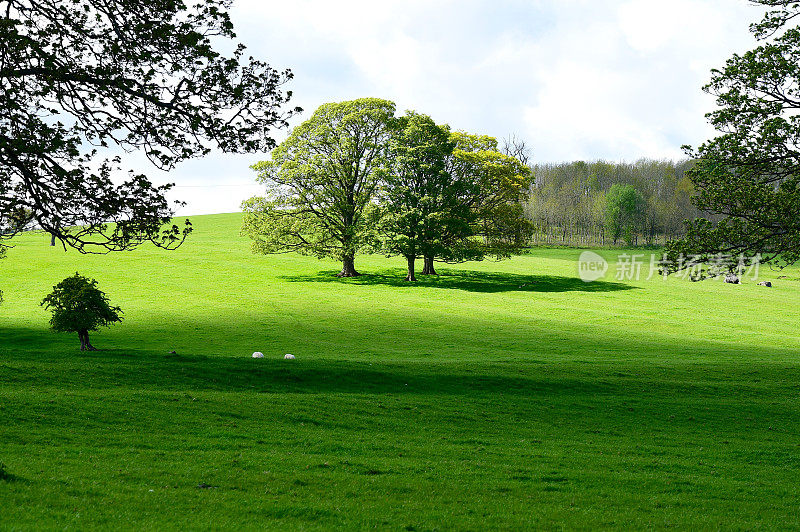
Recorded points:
(84,78)
(749,175)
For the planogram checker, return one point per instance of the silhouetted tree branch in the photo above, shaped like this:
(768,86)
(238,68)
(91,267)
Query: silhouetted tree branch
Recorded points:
(88,78)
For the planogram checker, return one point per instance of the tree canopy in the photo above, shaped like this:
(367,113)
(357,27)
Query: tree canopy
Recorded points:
(84,80)
(749,175)
(320,183)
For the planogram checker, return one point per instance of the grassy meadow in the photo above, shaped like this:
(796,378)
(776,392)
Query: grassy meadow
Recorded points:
(500,395)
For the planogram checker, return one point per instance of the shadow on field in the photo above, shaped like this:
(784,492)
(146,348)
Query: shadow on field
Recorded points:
(65,369)
(143,370)
(467,280)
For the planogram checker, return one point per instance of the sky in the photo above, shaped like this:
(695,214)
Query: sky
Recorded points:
(617,80)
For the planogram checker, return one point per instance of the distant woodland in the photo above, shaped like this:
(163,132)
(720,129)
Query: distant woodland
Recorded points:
(602,203)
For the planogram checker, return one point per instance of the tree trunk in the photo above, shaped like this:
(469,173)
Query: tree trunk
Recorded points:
(427,268)
(52,239)
(83,335)
(348,268)
(410,276)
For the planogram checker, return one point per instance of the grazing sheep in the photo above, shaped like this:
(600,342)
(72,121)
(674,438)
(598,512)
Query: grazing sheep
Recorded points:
(258,354)
(731,278)
(765,283)
(287,356)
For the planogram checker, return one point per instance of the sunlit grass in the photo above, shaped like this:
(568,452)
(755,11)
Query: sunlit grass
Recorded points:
(505,395)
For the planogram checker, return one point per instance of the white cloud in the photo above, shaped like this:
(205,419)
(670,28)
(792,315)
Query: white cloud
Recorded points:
(628,83)
(649,26)
(579,79)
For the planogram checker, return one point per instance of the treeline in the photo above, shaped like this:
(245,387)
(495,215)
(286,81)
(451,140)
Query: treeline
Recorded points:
(603,203)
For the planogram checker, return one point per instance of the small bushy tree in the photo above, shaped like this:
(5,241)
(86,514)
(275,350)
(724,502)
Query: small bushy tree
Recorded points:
(79,306)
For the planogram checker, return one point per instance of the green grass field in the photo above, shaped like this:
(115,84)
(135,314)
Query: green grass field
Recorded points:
(500,395)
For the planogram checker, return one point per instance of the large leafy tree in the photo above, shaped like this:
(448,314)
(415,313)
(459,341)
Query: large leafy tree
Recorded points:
(79,306)
(748,177)
(449,196)
(493,185)
(418,207)
(84,81)
(320,183)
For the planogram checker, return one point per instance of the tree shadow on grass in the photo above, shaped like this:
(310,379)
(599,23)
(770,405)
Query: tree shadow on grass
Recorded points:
(64,368)
(142,370)
(467,280)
